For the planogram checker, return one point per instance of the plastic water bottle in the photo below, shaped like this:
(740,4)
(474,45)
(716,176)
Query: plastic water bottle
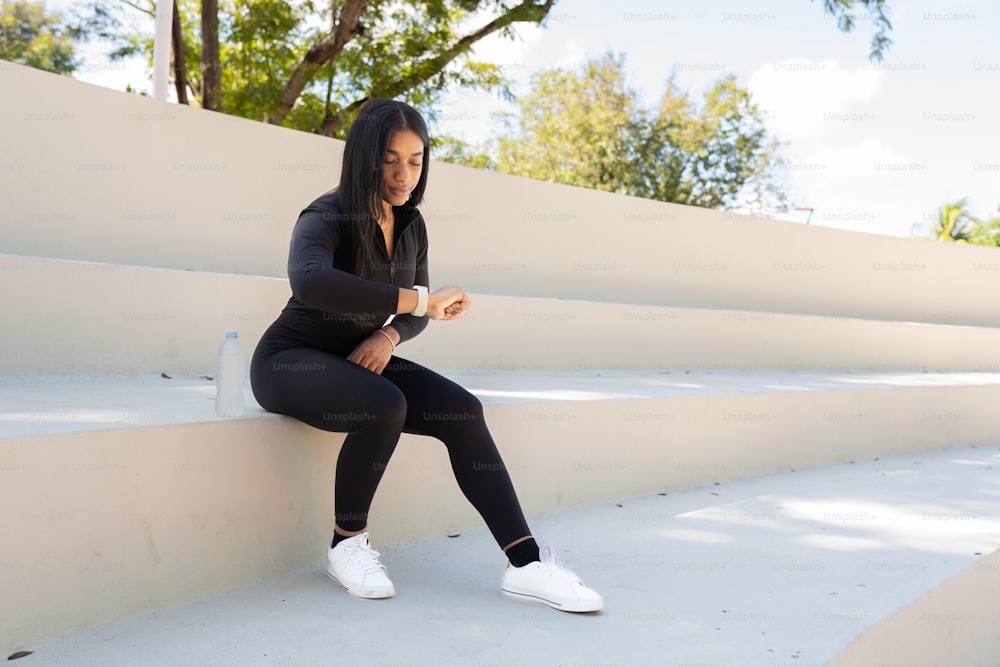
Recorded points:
(230,372)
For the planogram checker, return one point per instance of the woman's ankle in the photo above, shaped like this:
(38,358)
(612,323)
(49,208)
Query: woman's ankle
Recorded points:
(339,535)
(523,552)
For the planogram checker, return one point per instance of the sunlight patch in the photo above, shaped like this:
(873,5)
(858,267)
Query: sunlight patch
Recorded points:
(700,536)
(839,542)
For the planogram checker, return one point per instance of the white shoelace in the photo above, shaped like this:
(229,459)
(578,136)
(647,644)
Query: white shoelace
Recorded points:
(548,555)
(364,557)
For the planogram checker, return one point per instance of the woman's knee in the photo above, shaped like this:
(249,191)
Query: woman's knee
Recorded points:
(468,404)
(456,406)
(455,416)
(381,408)
(390,405)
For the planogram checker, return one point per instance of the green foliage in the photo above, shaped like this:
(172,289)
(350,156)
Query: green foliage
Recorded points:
(34,37)
(573,128)
(719,155)
(878,10)
(588,128)
(260,43)
(986,232)
(956,224)
(457,151)
(306,65)
(310,64)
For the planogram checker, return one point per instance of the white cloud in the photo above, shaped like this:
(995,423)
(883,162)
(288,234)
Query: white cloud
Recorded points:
(571,55)
(868,157)
(865,186)
(802,97)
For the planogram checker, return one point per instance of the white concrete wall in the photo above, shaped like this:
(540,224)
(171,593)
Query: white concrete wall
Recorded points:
(94,174)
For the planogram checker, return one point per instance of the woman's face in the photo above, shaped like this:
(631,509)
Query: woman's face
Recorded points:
(404,158)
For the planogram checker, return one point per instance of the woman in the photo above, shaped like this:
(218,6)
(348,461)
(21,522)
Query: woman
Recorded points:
(358,273)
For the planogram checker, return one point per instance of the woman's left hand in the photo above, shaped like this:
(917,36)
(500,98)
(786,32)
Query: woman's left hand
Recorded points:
(373,353)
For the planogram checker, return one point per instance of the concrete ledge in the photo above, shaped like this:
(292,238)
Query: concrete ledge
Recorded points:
(110,319)
(957,623)
(115,521)
(785,569)
(92,318)
(549,334)
(54,405)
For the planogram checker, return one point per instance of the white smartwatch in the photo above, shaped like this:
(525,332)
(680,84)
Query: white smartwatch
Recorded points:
(421,308)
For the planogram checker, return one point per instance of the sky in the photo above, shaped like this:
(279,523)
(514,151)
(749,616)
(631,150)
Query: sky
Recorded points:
(870,147)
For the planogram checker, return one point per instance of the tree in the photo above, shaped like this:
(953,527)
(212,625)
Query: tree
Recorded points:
(987,232)
(716,156)
(576,128)
(311,65)
(587,128)
(954,222)
(211,70)
(458,152)
(32,36)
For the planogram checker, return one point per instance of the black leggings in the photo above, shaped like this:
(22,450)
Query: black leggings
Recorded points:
(331,393)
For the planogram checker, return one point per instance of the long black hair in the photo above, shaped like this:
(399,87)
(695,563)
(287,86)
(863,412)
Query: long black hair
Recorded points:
(361,177)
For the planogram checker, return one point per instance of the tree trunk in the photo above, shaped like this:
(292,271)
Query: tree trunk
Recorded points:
(211,69)
(180,68)
(324,50)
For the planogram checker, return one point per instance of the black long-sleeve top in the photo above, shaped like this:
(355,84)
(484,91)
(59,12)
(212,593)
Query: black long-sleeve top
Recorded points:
(331,308)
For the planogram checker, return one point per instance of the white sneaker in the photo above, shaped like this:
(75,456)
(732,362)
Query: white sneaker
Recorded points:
(355,566)
(549,582)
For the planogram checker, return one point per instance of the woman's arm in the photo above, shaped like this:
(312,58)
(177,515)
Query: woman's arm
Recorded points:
(316,283)
(406,327)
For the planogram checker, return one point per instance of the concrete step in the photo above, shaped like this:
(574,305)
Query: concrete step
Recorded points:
(93,318)
(121,159)
(127,494)
(159,501)
(69,317)
(803,568)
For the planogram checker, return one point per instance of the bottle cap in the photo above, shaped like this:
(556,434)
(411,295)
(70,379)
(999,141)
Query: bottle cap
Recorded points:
(231,334)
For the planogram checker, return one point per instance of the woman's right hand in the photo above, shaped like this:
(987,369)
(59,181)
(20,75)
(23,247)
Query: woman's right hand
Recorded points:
(447,303)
